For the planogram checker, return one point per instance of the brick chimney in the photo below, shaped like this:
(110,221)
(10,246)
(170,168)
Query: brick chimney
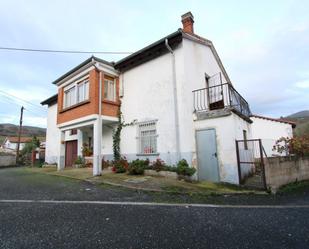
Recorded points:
(187,22)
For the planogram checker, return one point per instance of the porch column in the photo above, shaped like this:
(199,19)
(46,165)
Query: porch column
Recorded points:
(61,153)
(79,142)
(97,162)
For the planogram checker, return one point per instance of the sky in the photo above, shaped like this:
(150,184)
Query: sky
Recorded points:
(264,46)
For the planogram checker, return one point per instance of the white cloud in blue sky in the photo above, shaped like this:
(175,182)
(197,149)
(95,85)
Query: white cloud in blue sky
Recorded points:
(263,45)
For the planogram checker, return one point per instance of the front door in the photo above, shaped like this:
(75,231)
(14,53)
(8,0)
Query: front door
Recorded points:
(70,152)
(207,155)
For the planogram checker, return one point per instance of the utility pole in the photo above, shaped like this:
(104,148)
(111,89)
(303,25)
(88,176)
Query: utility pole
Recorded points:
(19,132)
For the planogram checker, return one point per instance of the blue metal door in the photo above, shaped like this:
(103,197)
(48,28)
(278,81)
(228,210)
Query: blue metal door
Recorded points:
(207,155)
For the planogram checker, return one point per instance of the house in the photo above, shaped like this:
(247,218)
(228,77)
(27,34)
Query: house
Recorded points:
(174,93)
(10,143)
(269,130)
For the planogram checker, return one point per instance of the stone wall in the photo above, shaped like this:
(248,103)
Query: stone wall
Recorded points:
(7,160)
(283,170)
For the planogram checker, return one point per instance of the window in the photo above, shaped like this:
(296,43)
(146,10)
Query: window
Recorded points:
(245,139)
(109,90)
(147,135)
(76,93)
(83,91)
(69,97)
(73,132)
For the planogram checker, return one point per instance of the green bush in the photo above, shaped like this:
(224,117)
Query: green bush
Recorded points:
(120,166)
(79,160)
(184,169)
(170,168)
(158,165)
(138,166)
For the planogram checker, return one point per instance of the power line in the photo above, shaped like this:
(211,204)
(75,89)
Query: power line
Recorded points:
(26,101)
(62,51)
(12,101)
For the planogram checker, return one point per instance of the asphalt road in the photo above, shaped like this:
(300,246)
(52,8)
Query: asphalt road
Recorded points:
(114,225)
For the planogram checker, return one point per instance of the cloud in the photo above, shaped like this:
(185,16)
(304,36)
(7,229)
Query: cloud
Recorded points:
(302,84)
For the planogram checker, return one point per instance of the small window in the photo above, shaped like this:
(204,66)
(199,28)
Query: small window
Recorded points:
(73,132)
(69,97)
(109,90)
(83,91)
(245,139)
(147,137)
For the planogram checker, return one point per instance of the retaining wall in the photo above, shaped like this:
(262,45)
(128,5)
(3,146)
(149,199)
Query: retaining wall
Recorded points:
(283,170)
(7,160)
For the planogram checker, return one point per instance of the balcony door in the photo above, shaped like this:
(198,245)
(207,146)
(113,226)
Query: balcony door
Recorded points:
(215,91)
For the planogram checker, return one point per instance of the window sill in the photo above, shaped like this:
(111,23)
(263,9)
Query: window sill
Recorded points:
(148,154)
(74,106)
(106,101)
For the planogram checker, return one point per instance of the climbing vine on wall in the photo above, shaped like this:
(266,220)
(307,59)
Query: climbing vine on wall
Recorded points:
(117,135)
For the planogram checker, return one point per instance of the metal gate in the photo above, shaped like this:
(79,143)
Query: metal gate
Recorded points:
(250,159)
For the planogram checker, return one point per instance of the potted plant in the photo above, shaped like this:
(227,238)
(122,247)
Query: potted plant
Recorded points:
(86,150)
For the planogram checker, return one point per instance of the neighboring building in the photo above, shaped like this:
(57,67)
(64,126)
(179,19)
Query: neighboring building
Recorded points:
(10,143)
(270,130)
(176,91)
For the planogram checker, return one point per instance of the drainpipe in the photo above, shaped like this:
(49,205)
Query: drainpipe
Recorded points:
(99,128)
(175,99)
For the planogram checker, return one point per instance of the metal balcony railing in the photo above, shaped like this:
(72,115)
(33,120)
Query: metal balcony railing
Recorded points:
(219,97)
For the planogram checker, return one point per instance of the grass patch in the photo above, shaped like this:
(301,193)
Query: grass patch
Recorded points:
(298,186)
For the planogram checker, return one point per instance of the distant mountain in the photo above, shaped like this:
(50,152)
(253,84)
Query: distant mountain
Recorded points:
(12,130)
(302,122)
(301,114)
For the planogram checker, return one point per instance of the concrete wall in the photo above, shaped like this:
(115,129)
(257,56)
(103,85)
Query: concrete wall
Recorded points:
(52,135)
(283,170)
(270,131)
(7,160)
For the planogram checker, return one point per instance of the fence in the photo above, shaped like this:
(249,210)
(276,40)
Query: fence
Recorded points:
(250,159)
(219,96)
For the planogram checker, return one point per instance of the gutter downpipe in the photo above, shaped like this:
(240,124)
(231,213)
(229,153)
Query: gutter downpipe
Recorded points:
(99,132)
(175,100)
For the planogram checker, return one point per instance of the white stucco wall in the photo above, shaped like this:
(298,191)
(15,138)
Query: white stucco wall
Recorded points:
(270,131)
(13,146)
(52,135)
(228,129)
(148,95)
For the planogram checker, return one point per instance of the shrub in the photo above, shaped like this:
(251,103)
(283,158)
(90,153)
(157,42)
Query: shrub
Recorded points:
(158,165)
(297,145)
(106,164)
(138,166)
(170,168)
(79,160)
(121,165)
(184,169)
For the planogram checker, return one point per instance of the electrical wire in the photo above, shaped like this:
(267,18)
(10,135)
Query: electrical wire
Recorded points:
(26,101)
(62,51)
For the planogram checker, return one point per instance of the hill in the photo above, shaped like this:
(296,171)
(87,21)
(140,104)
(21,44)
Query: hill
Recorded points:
(12,130)
(301,114)
(302,122)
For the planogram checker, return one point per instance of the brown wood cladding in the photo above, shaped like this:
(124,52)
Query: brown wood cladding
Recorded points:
(89,107)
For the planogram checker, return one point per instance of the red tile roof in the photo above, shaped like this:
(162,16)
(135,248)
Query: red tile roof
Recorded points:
(280,120)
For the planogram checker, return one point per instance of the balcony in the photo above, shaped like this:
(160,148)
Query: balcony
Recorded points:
(220,97)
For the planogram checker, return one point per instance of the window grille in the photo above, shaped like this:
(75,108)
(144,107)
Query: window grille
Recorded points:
(147,137)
